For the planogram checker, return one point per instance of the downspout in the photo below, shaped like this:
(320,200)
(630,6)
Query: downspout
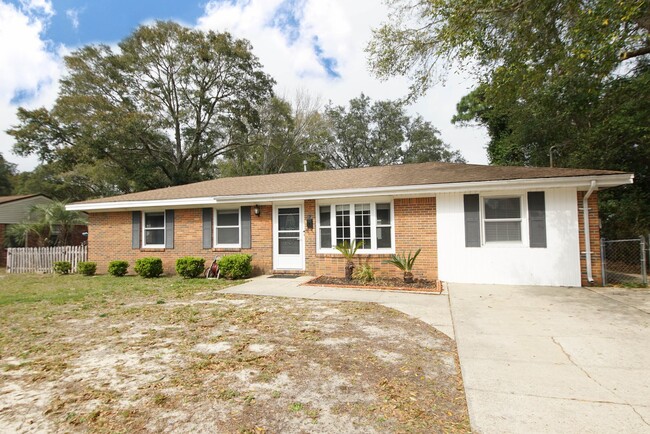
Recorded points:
(585,215)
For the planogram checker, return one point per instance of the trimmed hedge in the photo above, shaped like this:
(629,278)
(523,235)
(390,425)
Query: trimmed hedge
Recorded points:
(118,268)
(62,267)
(149,267)
(87,268)
(190,267)
(237,266)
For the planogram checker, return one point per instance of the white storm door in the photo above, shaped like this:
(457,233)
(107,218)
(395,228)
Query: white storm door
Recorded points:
(288,238)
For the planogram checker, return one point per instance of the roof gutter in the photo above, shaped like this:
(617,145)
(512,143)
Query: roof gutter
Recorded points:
(585,215)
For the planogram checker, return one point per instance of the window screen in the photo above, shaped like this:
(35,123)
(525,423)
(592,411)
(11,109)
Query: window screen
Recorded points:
(502,219)
(154,228)
(227,227)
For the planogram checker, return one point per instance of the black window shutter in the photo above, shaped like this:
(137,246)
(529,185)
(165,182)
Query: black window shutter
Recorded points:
(537,218)
(472,221)
(245,227)
(136,222)
(169,229)
(207,227)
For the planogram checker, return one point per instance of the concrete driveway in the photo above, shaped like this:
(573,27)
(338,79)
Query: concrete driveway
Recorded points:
(539,359)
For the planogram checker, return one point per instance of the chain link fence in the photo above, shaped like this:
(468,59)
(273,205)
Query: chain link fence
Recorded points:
(625,262)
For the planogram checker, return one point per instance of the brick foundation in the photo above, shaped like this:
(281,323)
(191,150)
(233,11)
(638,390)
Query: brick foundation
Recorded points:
(594,238)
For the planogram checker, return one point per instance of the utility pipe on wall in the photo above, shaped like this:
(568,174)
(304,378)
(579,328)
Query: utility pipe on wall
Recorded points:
(585,215)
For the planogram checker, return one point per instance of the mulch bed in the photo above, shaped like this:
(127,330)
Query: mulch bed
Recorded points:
(388,283)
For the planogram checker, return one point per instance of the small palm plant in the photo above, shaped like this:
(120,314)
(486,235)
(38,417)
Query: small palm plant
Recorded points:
(404,263)
(348,250)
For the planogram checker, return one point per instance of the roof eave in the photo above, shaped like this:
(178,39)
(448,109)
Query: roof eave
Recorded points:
(604,181)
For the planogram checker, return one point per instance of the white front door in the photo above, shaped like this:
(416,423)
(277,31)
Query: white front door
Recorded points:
(288,238)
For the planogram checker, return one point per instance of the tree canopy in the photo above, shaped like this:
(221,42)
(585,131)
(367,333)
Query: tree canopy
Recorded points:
(7,172)
(157,112)
(510,43)
(380,133)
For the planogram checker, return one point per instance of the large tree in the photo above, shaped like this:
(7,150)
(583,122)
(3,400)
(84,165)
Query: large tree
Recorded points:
(7,172)
(287,135)
(510,43)
(159,111)
(378,133)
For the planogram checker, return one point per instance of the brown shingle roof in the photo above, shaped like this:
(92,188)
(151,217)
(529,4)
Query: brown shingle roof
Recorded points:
(366,177)
(7,199)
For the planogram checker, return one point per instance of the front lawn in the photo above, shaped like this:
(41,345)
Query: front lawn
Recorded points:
(105,354)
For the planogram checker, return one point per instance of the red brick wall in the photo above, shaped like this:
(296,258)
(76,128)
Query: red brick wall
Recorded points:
(415,227)
(594,238)
(109,239)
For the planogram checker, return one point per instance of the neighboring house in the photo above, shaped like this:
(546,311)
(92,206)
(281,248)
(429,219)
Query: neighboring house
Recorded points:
(16,209)
(479,224)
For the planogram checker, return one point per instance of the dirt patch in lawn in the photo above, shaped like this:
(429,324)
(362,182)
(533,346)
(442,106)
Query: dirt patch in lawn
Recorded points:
(225,363)
(384,283)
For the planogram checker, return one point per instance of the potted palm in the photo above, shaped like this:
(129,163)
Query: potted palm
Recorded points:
(348,250)
(404,263)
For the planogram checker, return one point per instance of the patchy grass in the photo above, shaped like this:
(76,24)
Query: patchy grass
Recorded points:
(105,354)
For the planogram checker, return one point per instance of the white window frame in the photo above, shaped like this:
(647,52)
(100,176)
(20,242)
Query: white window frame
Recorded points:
(214,229)
(522,220)
(373,225)
(145,228)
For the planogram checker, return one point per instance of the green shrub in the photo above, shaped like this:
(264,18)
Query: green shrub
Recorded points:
(364,274)
(190,267)
(118,268)
(149,267)
(87,268)
(237,266)
(62,267)
(404,263)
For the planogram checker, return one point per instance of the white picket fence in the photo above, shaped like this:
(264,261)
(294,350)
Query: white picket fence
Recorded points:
(42,259)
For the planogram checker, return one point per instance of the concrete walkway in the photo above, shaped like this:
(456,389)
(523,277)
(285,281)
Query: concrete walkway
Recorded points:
(566,360)
(430,308)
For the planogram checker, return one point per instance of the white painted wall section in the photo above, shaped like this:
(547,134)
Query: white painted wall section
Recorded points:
(512,264)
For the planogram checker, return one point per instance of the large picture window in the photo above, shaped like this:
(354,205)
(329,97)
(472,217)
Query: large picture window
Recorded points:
(368,222)
(502,219)
(227,228)
(154,229)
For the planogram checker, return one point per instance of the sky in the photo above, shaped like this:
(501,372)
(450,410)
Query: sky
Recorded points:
(313,46)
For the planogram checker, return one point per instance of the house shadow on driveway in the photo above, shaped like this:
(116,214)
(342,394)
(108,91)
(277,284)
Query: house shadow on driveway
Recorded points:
(554,359)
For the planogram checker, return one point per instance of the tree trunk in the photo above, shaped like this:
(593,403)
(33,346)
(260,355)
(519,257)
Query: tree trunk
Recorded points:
(408,277)
(349,268)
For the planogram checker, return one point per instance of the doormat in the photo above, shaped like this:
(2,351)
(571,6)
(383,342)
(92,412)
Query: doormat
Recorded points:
(284,276)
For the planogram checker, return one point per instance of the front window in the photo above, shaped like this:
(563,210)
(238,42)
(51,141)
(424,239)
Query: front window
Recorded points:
(384,229)
(227,228)
(342,224)
(502,219)
(325,218)
(362,225)
(154,229)
(370,223)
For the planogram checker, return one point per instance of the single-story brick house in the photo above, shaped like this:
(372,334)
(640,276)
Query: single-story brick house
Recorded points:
(474,223)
